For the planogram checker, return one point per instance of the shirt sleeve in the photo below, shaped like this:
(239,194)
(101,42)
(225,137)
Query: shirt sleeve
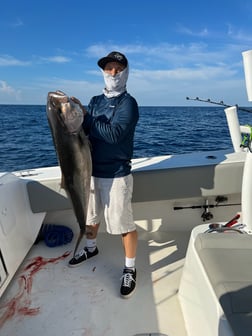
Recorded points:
(115,129)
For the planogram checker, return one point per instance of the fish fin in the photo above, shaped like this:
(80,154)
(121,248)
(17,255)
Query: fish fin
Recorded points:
(62,183)
(81,234)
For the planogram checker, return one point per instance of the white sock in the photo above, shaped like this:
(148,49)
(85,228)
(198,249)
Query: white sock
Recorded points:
(91,244)
(130,262)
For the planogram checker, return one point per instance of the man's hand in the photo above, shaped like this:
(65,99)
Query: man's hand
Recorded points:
(77,101)
(73,115)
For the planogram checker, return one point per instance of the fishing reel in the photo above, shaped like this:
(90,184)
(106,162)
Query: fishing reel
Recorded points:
(207,215)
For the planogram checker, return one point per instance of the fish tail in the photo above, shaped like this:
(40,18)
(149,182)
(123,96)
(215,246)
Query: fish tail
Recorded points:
(81,234)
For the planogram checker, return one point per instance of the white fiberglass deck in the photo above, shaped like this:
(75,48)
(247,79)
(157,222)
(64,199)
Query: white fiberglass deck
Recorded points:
(48,298)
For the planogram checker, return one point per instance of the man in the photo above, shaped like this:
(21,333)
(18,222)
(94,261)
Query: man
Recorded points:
(110,122)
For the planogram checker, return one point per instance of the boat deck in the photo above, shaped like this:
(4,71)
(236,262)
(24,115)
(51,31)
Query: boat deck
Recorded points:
(48,298)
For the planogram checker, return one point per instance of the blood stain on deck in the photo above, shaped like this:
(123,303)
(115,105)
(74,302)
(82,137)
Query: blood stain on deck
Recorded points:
(21,303)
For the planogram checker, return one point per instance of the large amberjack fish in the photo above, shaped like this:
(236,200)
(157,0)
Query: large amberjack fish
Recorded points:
(65,117)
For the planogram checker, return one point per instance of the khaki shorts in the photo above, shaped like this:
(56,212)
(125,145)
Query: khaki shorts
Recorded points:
(110,199)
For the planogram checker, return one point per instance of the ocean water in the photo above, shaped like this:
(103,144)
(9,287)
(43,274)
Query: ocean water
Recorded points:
(26,142)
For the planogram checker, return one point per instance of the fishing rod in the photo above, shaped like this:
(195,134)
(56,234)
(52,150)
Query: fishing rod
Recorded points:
(217,103)
(206,215)
(218,202)
(204,206)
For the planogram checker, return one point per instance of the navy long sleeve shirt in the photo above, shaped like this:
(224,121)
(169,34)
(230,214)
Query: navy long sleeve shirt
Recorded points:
(110,124)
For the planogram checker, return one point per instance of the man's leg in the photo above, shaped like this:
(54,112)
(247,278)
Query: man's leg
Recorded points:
(129,240)
(91,231)
(129,273)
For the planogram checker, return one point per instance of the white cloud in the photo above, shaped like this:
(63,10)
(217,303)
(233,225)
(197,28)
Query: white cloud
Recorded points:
(161,74)
(168,55)
(55,59)
(6,92)
(6,60)
(238,34)
(5,88)
(188,31)
(183,73)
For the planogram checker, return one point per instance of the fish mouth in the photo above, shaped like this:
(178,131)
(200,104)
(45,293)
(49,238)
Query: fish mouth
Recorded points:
(57,94)
(65,109)
(55,101)
(57,97)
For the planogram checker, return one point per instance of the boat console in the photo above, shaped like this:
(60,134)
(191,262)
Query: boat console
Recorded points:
(216,285)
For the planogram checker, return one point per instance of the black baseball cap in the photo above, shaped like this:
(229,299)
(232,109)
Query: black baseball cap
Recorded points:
(114,56)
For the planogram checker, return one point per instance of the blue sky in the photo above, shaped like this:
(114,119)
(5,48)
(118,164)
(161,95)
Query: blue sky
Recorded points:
(175,48)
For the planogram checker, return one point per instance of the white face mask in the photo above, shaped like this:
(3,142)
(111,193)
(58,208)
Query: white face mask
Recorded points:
(115,85)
